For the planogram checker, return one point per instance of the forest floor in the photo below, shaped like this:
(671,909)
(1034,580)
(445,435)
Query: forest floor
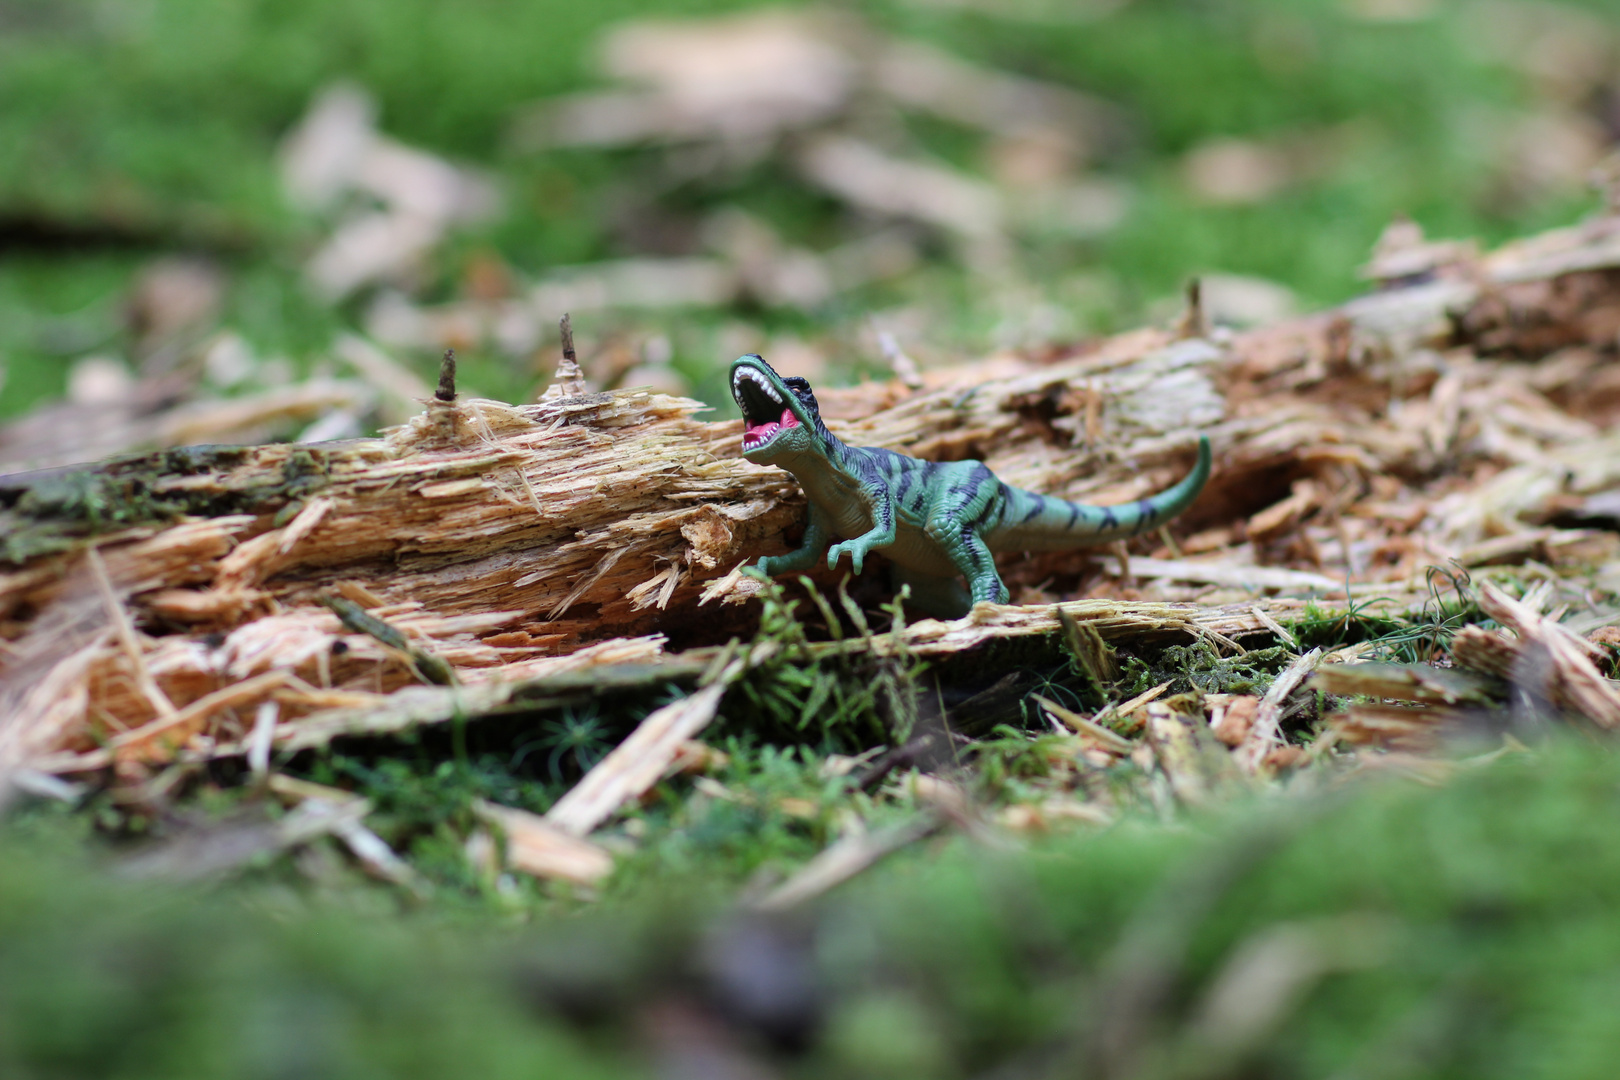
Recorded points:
(504,659)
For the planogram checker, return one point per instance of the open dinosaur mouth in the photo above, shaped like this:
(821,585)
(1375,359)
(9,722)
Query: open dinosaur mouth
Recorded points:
(757,435)
(765,414)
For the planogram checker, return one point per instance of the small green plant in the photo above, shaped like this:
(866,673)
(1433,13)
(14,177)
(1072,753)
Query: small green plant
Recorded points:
(1450,605)
(1334,628)
(424,806)
(578,734)
(849,693)
(1009,761)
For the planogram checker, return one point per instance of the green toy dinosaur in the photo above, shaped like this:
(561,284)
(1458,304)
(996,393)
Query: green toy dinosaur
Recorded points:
(934,520)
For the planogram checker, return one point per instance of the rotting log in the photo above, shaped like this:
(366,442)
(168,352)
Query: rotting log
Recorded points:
(518,541)
(640,663)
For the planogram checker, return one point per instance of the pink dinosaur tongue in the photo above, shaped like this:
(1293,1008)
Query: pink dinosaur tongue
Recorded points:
(754,434)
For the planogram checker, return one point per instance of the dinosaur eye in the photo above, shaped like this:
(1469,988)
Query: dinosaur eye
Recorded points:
(801,390)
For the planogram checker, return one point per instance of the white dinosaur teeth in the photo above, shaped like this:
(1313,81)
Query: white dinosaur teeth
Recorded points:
(758,380)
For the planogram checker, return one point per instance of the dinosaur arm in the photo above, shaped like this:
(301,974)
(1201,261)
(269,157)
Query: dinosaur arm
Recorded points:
(816,537)
(881,503)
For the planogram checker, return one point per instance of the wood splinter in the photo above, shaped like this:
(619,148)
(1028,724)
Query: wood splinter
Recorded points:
(432,669)
(1194,323)
(447,377)
(568,380)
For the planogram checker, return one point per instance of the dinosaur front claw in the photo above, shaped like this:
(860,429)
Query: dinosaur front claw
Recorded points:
(857,556)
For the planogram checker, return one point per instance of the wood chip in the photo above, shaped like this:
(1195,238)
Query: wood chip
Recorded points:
(1268,717)
(1126,708)
(1232,720)
(1401,727)
(305,523)
(1091,734)
(1228,573)
(221,849)
(845,859)
(1568,677)
(125,633)
(198,712)
(636,764)
(1199,768)
(1402,682)
(538,847)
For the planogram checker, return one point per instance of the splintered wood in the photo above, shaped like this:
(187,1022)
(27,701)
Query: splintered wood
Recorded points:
(1465,414)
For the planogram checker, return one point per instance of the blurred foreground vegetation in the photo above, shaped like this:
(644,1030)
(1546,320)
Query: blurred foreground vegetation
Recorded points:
(1397,928)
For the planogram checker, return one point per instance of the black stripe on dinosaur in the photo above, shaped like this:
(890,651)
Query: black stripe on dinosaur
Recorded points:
(974,551)
(867,470)
(906,479)
(971,484)
(993,506)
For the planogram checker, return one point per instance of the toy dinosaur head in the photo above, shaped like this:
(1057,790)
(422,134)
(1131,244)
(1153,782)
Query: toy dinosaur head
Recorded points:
(780,416)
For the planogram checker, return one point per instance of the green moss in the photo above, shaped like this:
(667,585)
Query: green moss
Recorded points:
(1468,924)
(1202,666)
(147,983)
(56,511)
(840,693)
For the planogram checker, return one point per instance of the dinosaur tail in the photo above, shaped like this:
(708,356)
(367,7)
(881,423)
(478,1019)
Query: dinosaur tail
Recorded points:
(1031,522)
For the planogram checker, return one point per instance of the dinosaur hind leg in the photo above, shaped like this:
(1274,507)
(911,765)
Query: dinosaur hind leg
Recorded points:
(968,551)
(979,567)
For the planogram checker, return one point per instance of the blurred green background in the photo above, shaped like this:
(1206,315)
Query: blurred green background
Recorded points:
(1265,140)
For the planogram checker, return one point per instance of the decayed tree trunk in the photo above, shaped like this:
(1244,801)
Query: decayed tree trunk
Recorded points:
(520,542)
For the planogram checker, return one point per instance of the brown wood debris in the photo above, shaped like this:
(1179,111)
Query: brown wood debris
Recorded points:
(1461,415)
